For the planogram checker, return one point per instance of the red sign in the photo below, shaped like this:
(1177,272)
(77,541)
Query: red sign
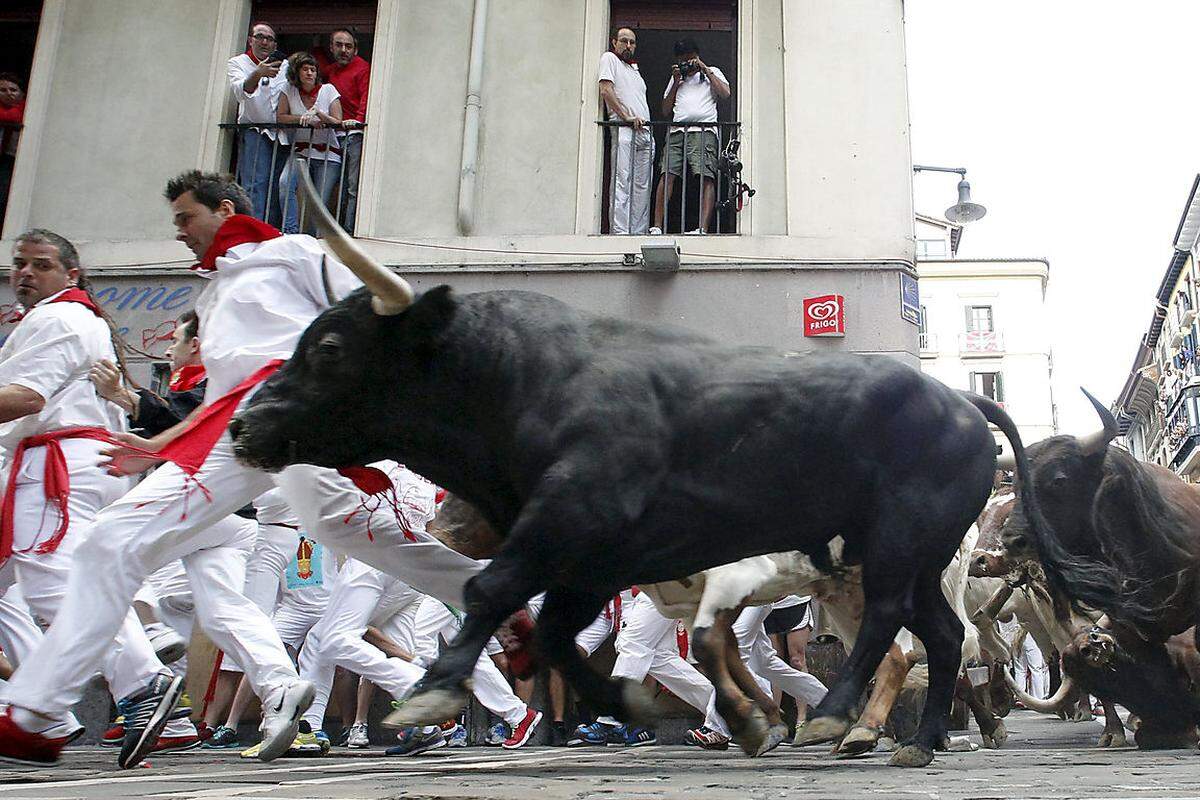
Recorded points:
(825,315)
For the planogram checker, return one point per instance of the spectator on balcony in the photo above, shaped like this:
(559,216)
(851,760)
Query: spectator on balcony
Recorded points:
(257,77)
(317,107)
(623,93)
(691,98)
(12,112)
(351,76)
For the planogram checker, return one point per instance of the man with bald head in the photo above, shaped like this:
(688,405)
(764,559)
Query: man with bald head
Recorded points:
(257,77)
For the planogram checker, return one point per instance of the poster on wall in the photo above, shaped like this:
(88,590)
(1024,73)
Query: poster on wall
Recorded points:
(825,315)
(910,299)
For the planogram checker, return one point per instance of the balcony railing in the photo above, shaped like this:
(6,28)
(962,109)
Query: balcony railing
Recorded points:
(927,342)
(10,134)
(635,183)
(263,165)
(980,343)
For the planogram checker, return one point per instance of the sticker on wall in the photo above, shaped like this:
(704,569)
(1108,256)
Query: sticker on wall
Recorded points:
(825,315)
(910,299)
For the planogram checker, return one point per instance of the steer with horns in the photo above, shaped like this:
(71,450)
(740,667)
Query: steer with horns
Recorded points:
(608,453)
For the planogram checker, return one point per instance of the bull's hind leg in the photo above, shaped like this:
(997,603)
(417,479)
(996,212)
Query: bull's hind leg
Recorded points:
(564,614)
(940,630)
(492,596)
(717,651)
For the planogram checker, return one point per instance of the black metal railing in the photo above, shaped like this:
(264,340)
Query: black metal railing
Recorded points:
(10,135)
(265,155)
(633,191)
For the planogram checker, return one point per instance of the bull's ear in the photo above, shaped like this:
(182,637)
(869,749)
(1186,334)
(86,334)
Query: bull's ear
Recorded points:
(432,312)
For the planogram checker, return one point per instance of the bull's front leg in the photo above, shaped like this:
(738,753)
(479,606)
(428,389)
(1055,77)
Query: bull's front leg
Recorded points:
(492,596)
(889,680)
(1114,731)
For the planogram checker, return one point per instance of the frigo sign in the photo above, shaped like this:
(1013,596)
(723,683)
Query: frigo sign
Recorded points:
(825,315)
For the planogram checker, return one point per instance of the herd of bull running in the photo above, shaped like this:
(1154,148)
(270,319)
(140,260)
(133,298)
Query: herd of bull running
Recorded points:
(715,477)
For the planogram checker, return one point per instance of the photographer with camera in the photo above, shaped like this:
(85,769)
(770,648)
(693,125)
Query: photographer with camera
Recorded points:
(257,78)
(623,93)
(691,96)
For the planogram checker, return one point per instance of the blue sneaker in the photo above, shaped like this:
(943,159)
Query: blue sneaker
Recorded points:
(497,734)
(596,733)
(632,736)
(323,741)
(414,741)
(457,737)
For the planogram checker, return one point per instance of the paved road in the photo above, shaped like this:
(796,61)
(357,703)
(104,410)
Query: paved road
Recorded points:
(1045,758)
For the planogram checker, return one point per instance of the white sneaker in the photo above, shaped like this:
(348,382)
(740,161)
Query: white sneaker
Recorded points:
(168,645)
(695,232)
(656,231)
(358,736)
(281,719)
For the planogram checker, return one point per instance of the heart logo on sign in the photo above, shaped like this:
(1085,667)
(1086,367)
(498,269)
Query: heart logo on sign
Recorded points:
(826,310)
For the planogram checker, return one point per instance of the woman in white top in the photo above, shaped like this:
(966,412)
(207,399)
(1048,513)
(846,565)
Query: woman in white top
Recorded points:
(316,105)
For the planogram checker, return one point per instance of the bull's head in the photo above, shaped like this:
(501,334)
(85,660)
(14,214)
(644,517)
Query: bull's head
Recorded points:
(1066,472)
(366,354)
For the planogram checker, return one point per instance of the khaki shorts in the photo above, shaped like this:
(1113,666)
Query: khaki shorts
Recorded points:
(701,149)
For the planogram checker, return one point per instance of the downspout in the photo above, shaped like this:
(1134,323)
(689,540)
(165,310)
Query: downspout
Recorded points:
(471,118)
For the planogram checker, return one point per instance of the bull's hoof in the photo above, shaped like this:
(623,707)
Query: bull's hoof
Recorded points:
(996,739)
(821,730)
(430,707)
(859,741)
(1113,740)
(640,708)
(751,736)
(886,745)
(1151,738)
(911,755)
(775,736)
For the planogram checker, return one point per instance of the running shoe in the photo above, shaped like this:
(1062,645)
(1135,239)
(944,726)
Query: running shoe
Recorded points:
(632,736)
(281,719)
(168,645)
(558,734)
(456,736)
(306,743)
(20,746)
(176,744)
(358,736)
(414,741)
(116,734)
(146,714)
(595,733)
(524,730)
(497,734)
(706,738)
(223,738)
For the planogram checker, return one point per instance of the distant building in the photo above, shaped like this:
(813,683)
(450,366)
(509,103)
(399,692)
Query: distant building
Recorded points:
(1159,406)
(984,327)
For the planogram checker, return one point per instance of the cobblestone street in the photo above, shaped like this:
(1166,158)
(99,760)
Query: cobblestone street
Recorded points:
(1045,758)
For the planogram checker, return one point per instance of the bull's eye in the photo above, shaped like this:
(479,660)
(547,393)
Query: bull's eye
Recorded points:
(329,344)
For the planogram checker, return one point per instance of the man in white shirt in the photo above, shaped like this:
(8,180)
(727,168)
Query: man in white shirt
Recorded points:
(257,78)
(691,98)
(623,93)
(264,291)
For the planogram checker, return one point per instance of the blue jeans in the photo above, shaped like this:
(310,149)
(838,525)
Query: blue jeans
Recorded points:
(324,176)
(258,175)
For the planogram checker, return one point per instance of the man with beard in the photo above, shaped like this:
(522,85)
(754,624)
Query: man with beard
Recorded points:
(351,76)
(624,95)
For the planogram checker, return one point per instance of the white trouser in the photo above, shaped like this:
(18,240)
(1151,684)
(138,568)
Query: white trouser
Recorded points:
(274,547)
(765,665)
(122,652)
(435,621)
(1030,662)
(19,634)
(164,518)
(646,644)
(632,166)
(361,596)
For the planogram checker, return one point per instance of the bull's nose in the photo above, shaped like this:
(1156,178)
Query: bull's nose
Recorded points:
(235,427)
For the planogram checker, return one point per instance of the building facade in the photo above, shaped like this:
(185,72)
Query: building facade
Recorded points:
(501,184)
(1159,405)
(983,327)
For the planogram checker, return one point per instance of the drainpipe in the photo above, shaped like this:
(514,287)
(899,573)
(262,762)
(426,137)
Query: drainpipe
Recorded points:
(471,117)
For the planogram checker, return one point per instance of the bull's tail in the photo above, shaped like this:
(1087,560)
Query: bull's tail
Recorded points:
(1084,581)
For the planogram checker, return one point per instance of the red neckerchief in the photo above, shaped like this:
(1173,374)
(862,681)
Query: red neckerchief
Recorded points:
(238,229)
(187,377)
(72,294)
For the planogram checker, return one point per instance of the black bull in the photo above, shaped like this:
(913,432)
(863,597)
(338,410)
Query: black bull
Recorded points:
(609,453)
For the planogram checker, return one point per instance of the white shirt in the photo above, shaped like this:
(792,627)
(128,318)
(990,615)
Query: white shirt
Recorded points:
(628,84)
(326,137)
(259,106)
(259,300)
(51,352)
(696,100)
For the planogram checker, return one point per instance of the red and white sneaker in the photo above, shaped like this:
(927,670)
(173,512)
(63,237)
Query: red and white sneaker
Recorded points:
(114,735)
(19,746)
(176,744)
(523,730)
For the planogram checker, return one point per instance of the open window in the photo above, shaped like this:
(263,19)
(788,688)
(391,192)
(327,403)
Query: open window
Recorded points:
(658,25)
(18,30)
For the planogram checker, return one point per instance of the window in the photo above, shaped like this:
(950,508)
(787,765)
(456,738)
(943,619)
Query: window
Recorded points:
(988,384)
(931,248)
(979,319)
(923,330)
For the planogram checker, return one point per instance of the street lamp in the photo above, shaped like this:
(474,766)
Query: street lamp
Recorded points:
(964,210)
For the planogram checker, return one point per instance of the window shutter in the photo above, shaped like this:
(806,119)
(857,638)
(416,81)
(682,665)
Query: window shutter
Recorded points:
(999,387)
(970,320)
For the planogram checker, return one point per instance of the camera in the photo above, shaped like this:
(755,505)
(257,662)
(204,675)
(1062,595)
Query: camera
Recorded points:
(686,68)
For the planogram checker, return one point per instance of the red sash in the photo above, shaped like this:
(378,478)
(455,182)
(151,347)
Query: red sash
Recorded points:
(57,484)
(187,377)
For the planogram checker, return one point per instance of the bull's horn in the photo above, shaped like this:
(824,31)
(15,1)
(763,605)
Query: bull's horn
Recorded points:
(1048,706)
(391,294)
(1095,443)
